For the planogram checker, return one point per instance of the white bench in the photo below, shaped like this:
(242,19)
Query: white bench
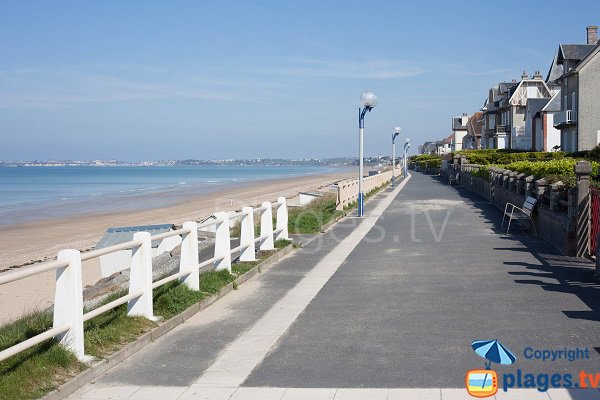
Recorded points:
(519,213)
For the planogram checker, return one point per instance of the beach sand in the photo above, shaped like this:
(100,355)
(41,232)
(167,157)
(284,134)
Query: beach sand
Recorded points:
(23,243)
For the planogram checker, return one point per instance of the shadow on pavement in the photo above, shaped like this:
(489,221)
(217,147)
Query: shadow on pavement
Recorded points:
(572,275)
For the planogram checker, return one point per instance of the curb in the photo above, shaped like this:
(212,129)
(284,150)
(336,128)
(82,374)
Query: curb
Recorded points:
(100,367)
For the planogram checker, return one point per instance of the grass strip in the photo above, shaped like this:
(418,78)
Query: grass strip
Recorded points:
(39,370)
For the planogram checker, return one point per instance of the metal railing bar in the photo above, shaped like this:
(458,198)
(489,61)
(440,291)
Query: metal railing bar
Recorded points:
(30,271)
(109,306)
(165,235)
(263,237)
(239,248)
(210,261)
(37,339)
(110,249)
(169,278)
(209,223)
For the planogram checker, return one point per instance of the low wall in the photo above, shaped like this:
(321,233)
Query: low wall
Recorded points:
(552,216)
(348,189)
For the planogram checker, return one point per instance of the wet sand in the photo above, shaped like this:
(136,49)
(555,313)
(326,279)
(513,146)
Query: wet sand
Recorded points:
(24,243)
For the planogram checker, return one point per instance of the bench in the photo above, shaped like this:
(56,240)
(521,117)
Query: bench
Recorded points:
(519,213)
(453,177)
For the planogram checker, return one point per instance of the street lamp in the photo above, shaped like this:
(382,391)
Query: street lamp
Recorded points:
(394,135)
(406,147)
(368,101)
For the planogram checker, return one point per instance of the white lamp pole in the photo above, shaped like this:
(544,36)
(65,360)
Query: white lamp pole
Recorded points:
(394,135)
(406,147)
(368,101)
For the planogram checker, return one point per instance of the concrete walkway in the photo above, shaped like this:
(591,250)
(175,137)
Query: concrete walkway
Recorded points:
(381,307)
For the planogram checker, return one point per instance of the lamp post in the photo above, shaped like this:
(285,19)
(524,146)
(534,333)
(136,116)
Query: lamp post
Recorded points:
(368,101)
(406,147)
(394,135)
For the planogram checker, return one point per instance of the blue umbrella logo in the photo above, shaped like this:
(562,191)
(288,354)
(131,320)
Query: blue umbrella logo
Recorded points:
(492,351)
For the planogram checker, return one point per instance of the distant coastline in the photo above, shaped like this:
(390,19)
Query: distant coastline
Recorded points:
(268,162)
(33,193)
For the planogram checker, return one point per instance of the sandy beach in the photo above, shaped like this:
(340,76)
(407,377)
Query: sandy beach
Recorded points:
(25,243)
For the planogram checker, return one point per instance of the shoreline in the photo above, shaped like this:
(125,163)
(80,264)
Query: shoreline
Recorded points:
(44,238)
(41,241)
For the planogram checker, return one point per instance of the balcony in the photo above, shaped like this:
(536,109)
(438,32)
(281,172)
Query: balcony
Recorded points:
(502,128)
(565,118)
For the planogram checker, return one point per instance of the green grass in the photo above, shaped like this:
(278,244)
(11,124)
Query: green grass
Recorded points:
(311,218)
(33,372)
(370,194)
(42,368)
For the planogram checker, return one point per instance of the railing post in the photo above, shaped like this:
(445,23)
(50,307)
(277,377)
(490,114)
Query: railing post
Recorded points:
(266,227)
(247,235)
(222,242)
(140,278)
(583,170)
(282,220)
(188,261)
(68,303)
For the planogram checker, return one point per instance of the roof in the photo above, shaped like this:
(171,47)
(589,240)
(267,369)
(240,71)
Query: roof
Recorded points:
(474,124)
(125,234)
(536,105)
(555,72)
(591,54)
(457,124)
(554,104)
(506,86)
(575,52)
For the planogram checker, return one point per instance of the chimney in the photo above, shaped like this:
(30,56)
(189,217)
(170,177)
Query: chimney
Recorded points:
(538,75)
(592,34)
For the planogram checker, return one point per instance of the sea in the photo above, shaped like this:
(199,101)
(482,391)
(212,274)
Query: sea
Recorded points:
(29,194)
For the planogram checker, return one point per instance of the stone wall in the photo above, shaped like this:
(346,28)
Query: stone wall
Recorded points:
(555,214)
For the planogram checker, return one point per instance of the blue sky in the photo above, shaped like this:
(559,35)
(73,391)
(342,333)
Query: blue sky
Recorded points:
(145,80)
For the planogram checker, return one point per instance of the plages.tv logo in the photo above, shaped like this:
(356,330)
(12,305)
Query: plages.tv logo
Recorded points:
(484,382)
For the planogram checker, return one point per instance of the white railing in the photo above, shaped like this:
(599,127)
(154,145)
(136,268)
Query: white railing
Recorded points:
(348,189)
(69,315)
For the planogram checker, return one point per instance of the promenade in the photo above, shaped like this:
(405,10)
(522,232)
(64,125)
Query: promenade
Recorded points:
(383,307)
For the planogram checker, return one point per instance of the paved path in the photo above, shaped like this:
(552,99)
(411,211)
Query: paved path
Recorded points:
(383,307)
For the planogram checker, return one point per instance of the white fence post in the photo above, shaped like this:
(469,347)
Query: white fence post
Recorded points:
(140,278)
(282,220)
(247,236)
(222,242)
(188,261)
(266,227)
(68,303)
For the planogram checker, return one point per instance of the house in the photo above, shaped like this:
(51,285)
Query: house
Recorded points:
(494,133)
(428,148)
(444,146)
(539,123)
(459,131)
(120,260)
(579,119)
(474,125)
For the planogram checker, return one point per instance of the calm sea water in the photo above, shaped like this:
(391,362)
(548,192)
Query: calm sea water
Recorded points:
(33,193)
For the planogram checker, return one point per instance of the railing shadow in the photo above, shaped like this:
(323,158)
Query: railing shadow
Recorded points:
(571,275)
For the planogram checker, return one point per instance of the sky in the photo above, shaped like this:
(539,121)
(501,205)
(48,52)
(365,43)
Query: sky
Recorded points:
(156,80)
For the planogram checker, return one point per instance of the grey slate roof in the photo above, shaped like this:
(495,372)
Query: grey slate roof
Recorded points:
(536,105)
(555,72)
(554,104)
(125,234)
(573,51)
(506,86)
